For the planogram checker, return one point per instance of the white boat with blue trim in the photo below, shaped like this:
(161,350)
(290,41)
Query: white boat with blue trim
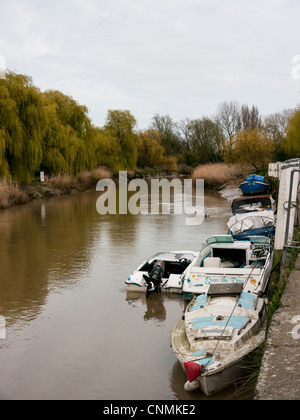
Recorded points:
(162,272)
(216,334)
(226,319)
(223,259)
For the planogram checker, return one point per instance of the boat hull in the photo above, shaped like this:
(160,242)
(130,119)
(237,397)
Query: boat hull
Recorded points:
(254,188)
(227,374)
(253,185)
(135,288)
(264,231)
(219,381)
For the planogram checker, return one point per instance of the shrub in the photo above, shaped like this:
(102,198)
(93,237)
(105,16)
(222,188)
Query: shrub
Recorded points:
(217,174)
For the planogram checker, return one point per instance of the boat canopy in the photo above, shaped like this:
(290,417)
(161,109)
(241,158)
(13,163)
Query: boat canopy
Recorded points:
(256,178)
(240,223)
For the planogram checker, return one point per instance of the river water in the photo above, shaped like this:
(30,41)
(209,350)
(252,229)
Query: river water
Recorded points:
(71,330)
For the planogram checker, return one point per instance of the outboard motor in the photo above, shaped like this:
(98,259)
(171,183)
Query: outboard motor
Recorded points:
(154,279)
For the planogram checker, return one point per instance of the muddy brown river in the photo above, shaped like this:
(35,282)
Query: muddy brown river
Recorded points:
(71,330)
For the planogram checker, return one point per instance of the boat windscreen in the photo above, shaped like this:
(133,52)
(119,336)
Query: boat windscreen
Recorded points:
(259,240)
(217,239)
(172,256)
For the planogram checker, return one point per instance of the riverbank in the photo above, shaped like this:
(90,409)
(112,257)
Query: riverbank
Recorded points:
(216,176)
(15,194)
(279,377)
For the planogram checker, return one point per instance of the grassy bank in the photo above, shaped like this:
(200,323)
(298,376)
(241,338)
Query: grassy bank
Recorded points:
(86,180)
(215,176)
(15,194)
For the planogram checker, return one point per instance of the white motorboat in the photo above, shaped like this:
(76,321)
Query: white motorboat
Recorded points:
(219,329)
(223,260)
(225,320)
(161,272)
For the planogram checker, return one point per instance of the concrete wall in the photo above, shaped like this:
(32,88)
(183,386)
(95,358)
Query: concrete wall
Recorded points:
(285,171)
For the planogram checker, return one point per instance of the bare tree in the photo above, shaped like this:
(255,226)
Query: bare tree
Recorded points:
(276,124)
(202,138)
(228,118)
(165,125)
(250,118)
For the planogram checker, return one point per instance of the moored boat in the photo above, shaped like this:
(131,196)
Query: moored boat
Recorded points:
(223,259)
(243,225)
(252,203)
(162,272)
(218,331)
(252,216)
(226,318)
(254,185)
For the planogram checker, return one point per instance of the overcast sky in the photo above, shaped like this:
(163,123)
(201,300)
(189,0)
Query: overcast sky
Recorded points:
(176,57)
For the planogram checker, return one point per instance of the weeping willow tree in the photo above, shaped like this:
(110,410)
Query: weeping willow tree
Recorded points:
(41,130)
(11,133)
(120,125)
(55,139)
(104,150)
(51,131)
(22,122)
(24,154)
(68,127)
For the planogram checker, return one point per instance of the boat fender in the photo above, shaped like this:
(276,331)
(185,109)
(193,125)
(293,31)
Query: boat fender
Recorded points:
(193,370)
(191,386)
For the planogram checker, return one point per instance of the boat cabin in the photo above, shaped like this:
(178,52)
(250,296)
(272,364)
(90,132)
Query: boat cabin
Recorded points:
(224,252)
(223,260)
